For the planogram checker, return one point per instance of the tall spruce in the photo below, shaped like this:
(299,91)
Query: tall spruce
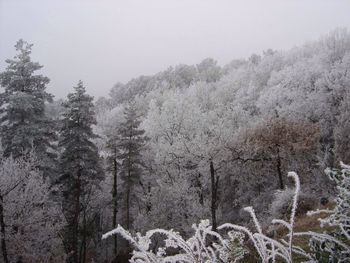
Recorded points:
(131,142)
(24,123)
(80,166)
(113,167)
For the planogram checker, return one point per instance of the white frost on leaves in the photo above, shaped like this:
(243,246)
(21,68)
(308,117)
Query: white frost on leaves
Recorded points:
(337,246)
(204,246)
(211,247)
(268,248)
(220,248)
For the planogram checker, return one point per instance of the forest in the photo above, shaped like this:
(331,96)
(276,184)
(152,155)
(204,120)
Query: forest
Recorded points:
(245,162)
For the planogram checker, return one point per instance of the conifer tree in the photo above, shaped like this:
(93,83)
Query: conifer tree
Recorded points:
(24,124)
(131,142)
(113,167)
(79,163)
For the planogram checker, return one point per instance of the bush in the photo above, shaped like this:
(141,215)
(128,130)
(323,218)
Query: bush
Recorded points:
(212,247)
(281,205)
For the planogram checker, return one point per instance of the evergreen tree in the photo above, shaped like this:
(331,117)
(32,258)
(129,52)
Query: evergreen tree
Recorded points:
(113,166)
(132,140)
(24,124)
(79,164)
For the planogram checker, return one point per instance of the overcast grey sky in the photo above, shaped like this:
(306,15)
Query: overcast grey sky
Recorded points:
(102,42)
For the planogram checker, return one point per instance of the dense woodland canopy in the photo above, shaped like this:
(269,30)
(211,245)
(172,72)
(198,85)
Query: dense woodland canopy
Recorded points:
(164,151)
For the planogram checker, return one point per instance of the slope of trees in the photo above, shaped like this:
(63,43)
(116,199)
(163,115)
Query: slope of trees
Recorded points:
(255,120)
(164,151)
(221,143)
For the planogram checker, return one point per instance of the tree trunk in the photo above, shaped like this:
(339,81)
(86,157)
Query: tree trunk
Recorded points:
(279,168)
(114,195)
(200,189)
(76,219)
(149,202)
(128,190)
(3,234)
(128,207)
(84,237)
(213,195)
(128,186)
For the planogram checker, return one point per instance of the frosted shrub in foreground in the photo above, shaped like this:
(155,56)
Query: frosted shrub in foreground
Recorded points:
(270,249)
(334,247)
(194,249)
(198,248)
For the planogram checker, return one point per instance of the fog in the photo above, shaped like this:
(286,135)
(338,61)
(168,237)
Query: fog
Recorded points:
(103,42)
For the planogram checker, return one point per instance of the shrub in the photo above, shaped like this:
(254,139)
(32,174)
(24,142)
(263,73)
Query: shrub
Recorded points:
(281,205)
(211,247)
(334,246)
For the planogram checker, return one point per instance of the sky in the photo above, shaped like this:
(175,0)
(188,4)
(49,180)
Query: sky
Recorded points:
(103,42)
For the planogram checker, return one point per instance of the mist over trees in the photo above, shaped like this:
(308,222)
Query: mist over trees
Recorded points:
(164,151)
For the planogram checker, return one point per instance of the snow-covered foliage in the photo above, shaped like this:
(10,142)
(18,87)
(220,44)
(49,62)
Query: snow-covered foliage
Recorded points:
(218,137)
(230,118)
(342,134)
(220,249)
(209,246)
(333,246)
(31,220)
(268,248)
(204,246)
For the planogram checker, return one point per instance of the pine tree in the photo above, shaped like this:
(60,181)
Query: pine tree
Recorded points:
(113,166)
(79,163)
(132,140)
(24,124)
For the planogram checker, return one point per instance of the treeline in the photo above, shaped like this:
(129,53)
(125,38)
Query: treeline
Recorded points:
(52,175)
(166,150)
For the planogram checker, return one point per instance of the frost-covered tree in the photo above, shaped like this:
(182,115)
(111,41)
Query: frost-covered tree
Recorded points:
(208,70)
(194,115)
(80,167)
(190,133)
(342,131)
(24,123)
(30,221)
